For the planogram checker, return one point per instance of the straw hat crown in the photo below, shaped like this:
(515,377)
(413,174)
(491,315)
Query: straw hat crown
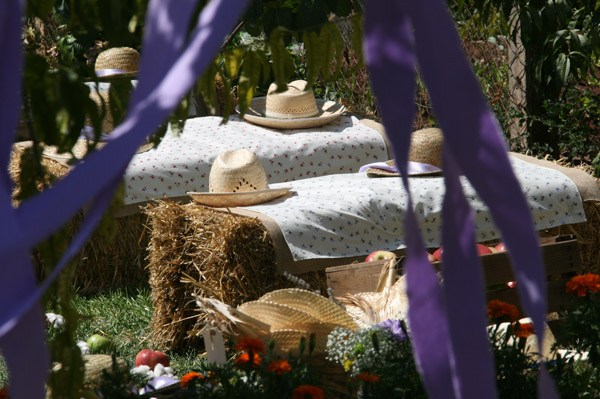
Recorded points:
(295,102)
(426,146)
(117,61)
(237,171)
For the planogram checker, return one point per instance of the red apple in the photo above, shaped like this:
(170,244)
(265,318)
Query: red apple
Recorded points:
(437,254)
(150,358)
(500,247)
(481,250)
(380,255)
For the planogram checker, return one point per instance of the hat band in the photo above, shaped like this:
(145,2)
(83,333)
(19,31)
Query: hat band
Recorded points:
(106,72)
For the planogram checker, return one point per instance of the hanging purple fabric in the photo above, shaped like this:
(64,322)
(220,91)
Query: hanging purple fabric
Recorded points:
(448,323)
(163,81)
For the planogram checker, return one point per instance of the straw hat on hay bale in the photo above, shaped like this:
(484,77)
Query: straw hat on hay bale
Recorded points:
(237,178)
(284,316)
(293,108)
(197,251)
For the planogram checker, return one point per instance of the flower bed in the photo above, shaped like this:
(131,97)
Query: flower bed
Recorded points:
(376,361)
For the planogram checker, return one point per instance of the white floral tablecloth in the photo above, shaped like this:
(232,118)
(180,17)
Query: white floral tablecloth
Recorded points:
(349,215)
(182,163)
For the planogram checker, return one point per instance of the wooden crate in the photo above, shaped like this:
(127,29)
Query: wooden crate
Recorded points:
(560,256)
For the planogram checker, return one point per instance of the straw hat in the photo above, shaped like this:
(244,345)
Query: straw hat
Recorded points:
(237,178)
(293,108)
(317,306)
(117,61)
(425,156)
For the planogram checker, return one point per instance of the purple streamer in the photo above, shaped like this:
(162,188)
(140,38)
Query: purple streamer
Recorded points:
(390,58)
(473,146)
(93,179)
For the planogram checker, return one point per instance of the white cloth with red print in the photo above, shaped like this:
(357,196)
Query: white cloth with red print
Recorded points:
(341,216)
(182,163)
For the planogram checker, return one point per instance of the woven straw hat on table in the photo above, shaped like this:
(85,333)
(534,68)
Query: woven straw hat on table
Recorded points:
(293,108)
(117,61)
(237,178)
(425,147)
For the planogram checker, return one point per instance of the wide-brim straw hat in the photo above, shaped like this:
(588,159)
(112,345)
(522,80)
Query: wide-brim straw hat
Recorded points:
(293,108)
(280,316)
(425,154)
(237,178)
(389,169)
(317,306)
(117,62)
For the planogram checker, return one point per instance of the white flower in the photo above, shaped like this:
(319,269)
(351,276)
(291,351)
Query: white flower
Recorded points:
(160,370)
(55,320)
(85,349)
(144,370)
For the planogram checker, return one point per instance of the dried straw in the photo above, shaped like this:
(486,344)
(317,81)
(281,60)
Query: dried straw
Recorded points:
(223,256)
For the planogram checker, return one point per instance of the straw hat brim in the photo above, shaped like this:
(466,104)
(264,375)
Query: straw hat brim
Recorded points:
(376,172)
(80,150)
(319,307)
(247,198)
(114,76)
(328,112)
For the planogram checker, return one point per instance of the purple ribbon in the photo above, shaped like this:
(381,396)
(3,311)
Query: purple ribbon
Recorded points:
(448,323)
(91,183)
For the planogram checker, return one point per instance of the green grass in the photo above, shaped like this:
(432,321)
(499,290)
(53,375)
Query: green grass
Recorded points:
(123,316)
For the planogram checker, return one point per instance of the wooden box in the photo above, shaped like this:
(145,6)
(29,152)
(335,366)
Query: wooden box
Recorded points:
(560,256)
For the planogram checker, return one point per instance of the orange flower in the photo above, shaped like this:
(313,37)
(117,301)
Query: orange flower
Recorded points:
(189,377)
(250,345)
(583,284)
(308,392)
(279,367)
(498,310)
(523,330)
(244,358)
(368,377)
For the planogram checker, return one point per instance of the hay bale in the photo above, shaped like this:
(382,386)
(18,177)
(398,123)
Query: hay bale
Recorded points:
(226,256)
(107,261)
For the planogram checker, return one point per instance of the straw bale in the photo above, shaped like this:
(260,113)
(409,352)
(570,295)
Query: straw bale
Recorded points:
(106,261)
(221,255)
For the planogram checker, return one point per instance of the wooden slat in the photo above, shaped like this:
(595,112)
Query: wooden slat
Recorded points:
(560,256)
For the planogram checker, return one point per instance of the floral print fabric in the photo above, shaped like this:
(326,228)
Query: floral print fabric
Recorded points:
(182,163)
(351,214)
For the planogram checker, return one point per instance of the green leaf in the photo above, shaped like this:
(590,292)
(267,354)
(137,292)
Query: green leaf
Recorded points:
(283,65)
(232,61)
(314,56)
(356,37)
(251,71)
(207,88)
(563,68)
